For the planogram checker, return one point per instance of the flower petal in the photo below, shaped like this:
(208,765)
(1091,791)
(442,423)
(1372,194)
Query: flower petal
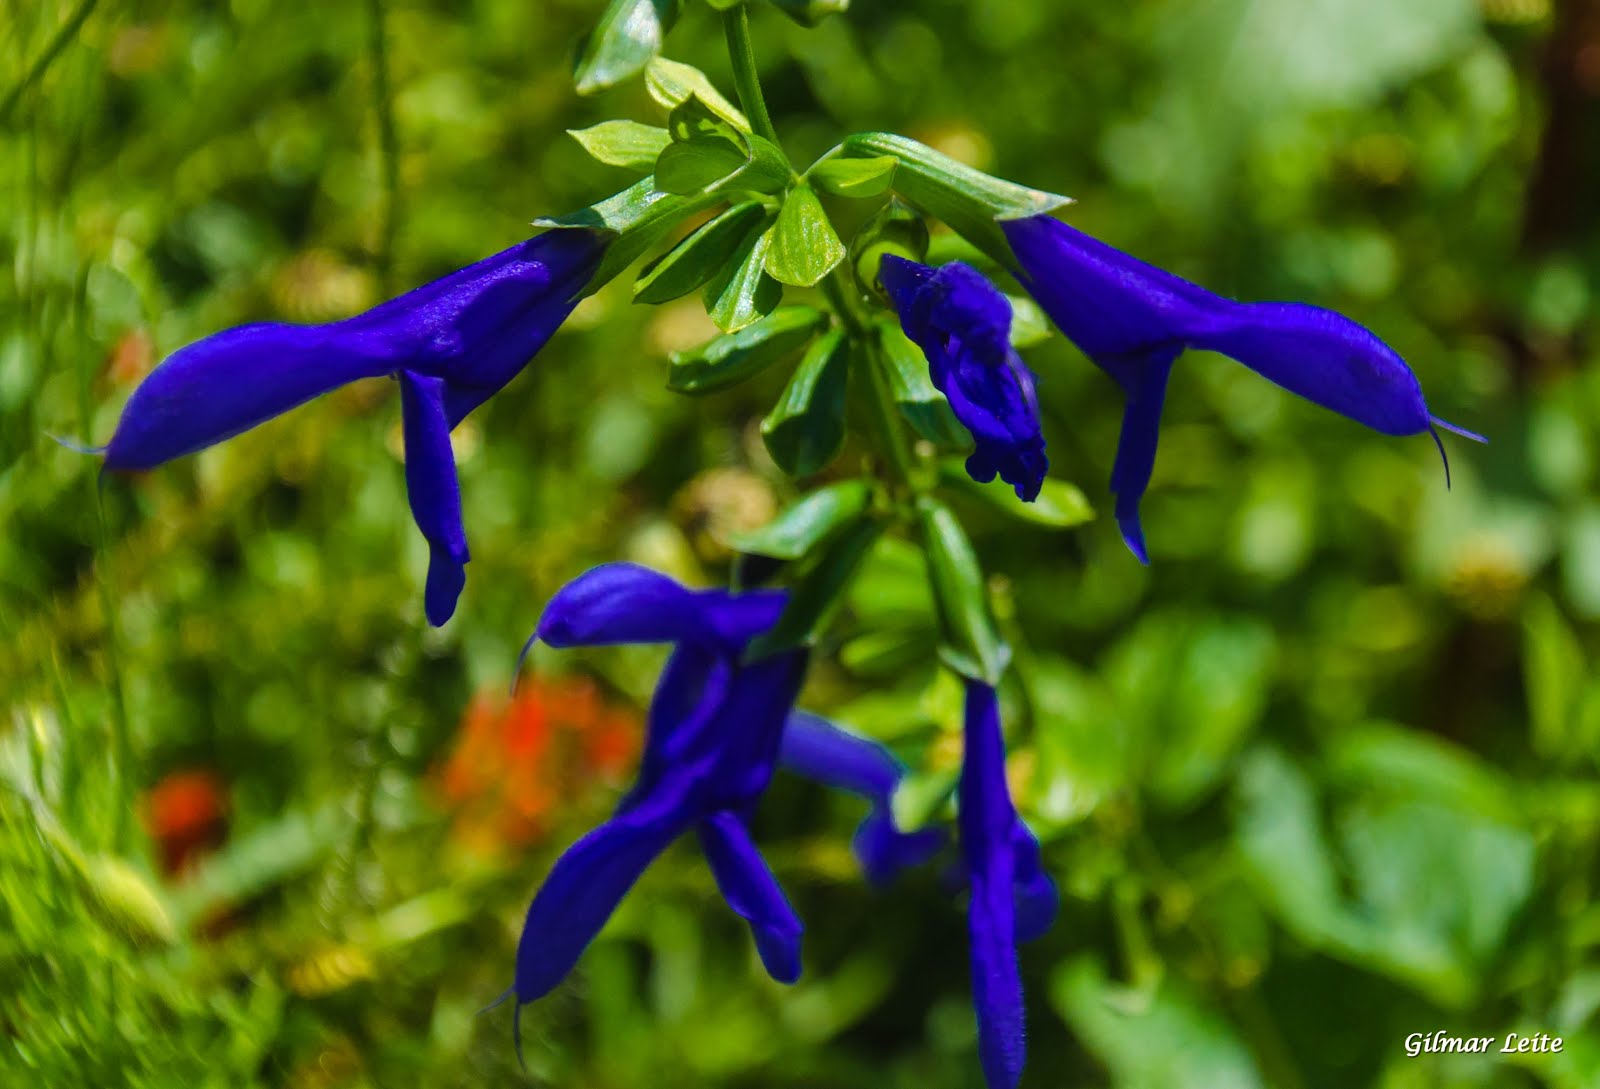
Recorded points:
(479,326)
(434,491)
(626,603)
(1144,381)
(986,818)
(476,327)
(585,886)
(751,890)
(689,695)
(962,323)
(1109,303)
(741,746)
(883,850)
(821,751)
(229,382)
(1130,317)
(997,983)
(1034,893)
(827,754)
(1324,357)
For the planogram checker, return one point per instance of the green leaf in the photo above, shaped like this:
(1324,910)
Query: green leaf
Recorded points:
(1060,505)
(732,358)
(853,177)
(638,216)
(671,84)
(971,645)
(709,153)
(969,200)
(1188,690)
(804,245)
(810,12)
(1280,838)
(623,143)
(741,292)
(628,37)
(695,260)
(1170,1039)
(689,166)
(923,406)
(819,592)
(1404,765)
(1554,672)
(812,520)
(806,428)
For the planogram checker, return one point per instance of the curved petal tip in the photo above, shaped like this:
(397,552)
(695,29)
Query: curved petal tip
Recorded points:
(1132,530)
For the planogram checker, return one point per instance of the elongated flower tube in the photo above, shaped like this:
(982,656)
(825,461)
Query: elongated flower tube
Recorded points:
(962,323)
(715,731)
(817,749)
(1013,899)
(1134,320)
(452,343)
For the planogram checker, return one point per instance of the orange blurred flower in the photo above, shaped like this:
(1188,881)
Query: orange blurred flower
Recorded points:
(517,762)
(186,813)
(132,357)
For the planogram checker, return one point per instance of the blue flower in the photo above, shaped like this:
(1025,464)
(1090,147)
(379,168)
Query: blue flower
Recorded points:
(714,734)
(962,323)
(452,343)
(1013,899)
(1134,320)
(818,750)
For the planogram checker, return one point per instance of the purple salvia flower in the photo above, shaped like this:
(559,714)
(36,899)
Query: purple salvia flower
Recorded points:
(1134,320)
(1013,899)
(715,730)
(453,344)
(962,323)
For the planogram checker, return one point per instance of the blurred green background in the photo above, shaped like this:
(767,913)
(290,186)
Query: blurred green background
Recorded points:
(1323,776)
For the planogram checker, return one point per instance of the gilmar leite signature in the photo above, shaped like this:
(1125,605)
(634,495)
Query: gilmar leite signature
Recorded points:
(1514,1043)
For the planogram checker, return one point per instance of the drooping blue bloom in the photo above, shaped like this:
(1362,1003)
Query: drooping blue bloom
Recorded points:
(821,751)
(714,734)
(452,343)
(1134,320)
(962,323)
(1013,899)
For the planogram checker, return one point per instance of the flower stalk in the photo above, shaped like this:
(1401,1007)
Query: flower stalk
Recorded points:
(746,79)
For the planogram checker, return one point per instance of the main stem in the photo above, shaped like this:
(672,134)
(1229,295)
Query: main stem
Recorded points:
(837,287)
(746,80)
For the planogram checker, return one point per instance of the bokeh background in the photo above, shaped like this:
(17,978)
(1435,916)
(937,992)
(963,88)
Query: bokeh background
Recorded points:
(1321,777)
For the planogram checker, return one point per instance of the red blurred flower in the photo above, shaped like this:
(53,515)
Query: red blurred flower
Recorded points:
(517,762)
(186,813)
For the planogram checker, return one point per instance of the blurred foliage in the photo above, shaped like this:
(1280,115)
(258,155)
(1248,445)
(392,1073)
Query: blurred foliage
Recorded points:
(1321,777)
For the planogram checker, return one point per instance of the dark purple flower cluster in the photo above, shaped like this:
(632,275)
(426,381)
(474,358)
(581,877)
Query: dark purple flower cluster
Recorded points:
(723,720)
(719,726)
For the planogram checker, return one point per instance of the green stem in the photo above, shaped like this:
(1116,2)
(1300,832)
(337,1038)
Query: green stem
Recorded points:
(746,80)
(838,290)
(53,49)
(837,287)
(886,418)
(388,146)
